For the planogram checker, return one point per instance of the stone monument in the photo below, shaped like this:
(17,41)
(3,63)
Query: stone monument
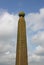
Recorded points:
(21,51)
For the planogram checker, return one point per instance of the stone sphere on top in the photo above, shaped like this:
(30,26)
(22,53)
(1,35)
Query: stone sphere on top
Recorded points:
(21,14)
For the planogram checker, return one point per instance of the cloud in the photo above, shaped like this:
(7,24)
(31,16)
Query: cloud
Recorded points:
(8,31)
(39,51)
(35,21)
(8,23)
(36,59)
(38,38)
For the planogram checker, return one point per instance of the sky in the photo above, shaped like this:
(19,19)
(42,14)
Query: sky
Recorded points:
(34,17)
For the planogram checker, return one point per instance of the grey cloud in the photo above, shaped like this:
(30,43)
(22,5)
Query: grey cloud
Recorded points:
(40,54)
(36,63)
(39,50)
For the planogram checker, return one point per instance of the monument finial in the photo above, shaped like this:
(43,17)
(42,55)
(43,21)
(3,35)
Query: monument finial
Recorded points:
(21,14)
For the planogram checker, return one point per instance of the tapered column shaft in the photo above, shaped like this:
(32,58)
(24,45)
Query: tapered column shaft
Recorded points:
(21,52)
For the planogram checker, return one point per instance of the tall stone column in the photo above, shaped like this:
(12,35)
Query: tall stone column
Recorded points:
(21,52)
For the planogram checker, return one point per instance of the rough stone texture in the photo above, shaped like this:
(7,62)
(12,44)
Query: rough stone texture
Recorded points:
(21,52)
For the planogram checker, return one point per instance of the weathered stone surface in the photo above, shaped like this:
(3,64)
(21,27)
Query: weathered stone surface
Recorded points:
(21,52)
